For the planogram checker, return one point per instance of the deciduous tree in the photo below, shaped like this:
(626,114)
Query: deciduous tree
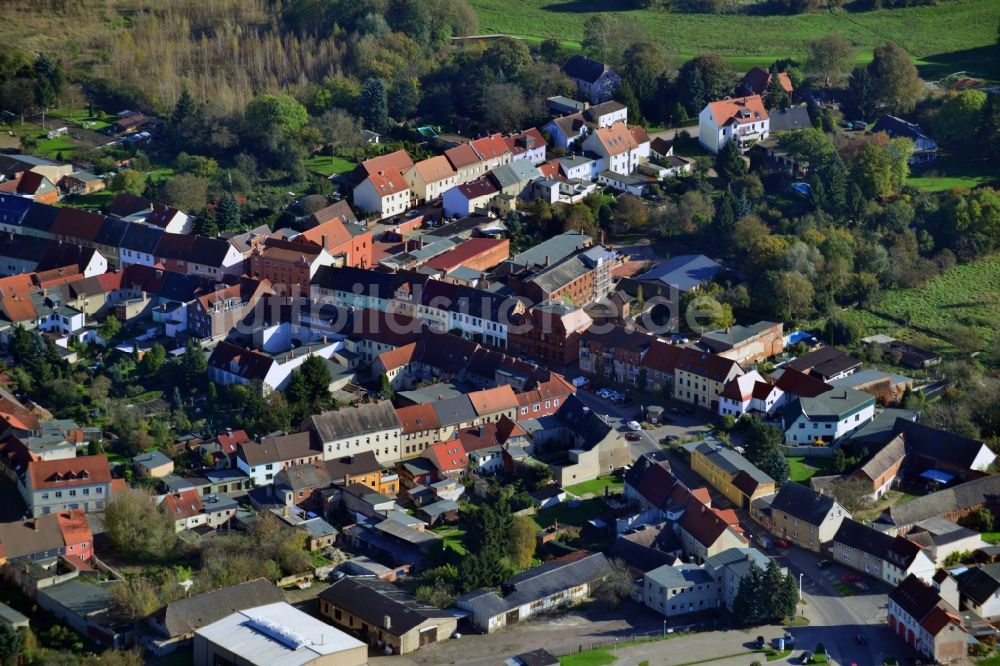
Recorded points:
(828,57)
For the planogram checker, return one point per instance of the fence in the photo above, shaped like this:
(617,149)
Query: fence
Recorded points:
(810,451)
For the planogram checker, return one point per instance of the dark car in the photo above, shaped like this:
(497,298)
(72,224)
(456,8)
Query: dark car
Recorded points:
(807,657)
(861,639)
(633,436)
(759,644)
(781,543)
(823,564)
(670,439)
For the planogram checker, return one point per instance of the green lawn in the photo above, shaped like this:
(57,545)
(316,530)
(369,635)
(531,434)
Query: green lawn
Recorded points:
(453,536)
(80,116)
(990,537)
(52,147)
(567,515)
(943,39)
(596,486)
(948,174)
(90,201)
(328,166)
(801,471)
(967,295)
(592,658)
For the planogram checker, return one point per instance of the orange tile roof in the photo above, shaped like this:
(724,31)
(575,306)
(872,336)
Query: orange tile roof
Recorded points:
(71,472)
(467,251)
(417,418)
(447,456)
(490,147)
(616,139)
(388,182)
(74,527)
(549,170)
(398,357)
(702,495)
(397,161)
(231,440)
(434,169)
(462,156)
(15,301)
(333,231)
(738,110)
(184,504)
(493,400)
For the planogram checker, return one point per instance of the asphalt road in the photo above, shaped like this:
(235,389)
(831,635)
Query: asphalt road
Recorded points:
(836,620)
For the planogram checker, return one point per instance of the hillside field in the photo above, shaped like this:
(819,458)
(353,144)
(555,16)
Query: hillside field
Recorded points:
(943,39)
(967,295)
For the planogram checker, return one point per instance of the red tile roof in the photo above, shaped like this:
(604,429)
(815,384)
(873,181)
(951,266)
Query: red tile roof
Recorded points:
(447,456)
(69,473)
(184,504)
(490,147)
(417,418)
(397,161)
(398,357)
(491,401)
(329,234)
(738,110)
(462,156)
(15,300)
(230,441)
(467,251)
(74,527)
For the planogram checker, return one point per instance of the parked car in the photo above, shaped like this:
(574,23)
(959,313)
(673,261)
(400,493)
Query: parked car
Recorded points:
(633,425)
(861,586)
(823,564)
(669,439)
(633,436)
(850,578)
(781,543)
(861,639)
(759,643)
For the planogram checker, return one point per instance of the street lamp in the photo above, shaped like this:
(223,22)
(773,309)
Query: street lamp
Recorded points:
(800,586)
(664,628)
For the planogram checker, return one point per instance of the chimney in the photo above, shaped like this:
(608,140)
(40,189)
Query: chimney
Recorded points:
(323,240)
(548,260)
(387,621)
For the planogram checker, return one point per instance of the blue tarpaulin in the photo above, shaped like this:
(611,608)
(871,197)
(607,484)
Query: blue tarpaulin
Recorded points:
(937,476)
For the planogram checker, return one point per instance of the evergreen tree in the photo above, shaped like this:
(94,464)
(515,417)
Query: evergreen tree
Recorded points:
(835,176)
(783,594)
(227,213)
(749,604)
(205,224)
(775,465)
(729,161)
(194,365)
(184,109)
(725,215)
(374,105)
(775,96)
(152,190)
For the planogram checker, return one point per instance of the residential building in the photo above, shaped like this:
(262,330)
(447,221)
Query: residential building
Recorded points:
(543,397)
(352,430)
(595,81)
(381,187)
(288,263)
(728,472)
(740,119)
(699,377)
(301,485)
(561,582)
(64,533)
(704,531)
(429,179)
(139,245)
(730,567)
(528,145)
(466,163)
(579,279)
(746,344)
(828,417)
(169,219)
(383,615)
(926,148)
(262,460)
(978,588)
(478,254)
(275,635)
(881,470)
(620,149)
(153,464)
(886,558)
(758,80)
(419,427)
(550,332)
(678,590)
(806,518)
(215,314)
(942,538)
(470,197)
(53,486)
(925,622)
(750,393)
(349,244)
(231,364)
(364,469)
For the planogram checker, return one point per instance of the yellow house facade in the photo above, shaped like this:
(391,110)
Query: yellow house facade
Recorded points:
(729,472)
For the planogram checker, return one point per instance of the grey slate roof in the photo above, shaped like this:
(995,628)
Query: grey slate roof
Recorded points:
(682,576)
(354,421)
(803,503)
(938,444)
(453,411)
(374,600)
(833,405)
(684,272)
(729,460)
(556,248)
(963,496)
(786,120)
(887,456)
(583,68)
(185,615)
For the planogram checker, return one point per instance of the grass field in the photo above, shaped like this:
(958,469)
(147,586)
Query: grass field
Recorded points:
(801,471)
(947,174)
(942,39)
(453,536)
(592,658)
(328,166)
(596,486)
(90,201)
(567,515)
(967,295)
